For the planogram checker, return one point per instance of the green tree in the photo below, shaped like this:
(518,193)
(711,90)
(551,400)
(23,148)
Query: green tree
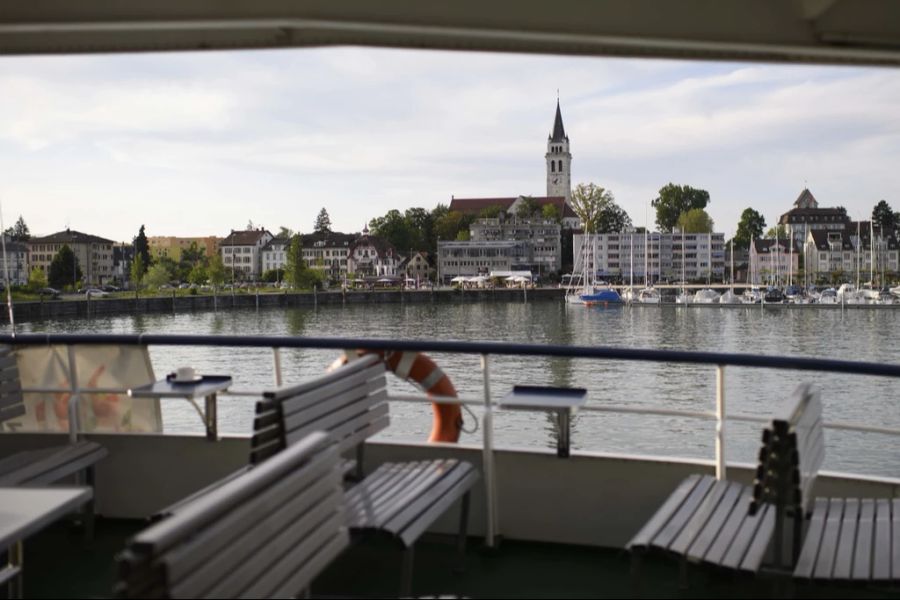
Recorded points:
(551,213)
(780,231)
(198,274)
(64,269)
(528,207)
(158,275)
(18,232)
(394,228)
(216,270)
(323,222)
(490,212)
(273,275)
(597,209)
(751,226)
(883,216)
(695,221)
(138,268)
(142,249)
(37,279)
(421,226)
(285,232)
(448,225)
(293,271)
(676,199)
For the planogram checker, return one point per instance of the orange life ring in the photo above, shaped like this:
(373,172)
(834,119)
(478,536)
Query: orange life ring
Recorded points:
(420,370)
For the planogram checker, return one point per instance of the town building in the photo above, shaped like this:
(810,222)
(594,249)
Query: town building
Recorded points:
(274,254)
(172,247)
(651,257)
(242,253)
(806,216)
(542,238)
(370,256)
(468,259)
(123,256)
(328,252)
(14,263)
(775,261)
(840,256)
(93,253)
(419,267)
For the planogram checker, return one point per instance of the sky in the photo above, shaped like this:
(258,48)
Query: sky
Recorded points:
(197,144)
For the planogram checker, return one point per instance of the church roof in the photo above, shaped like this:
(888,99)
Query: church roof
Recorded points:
(559,132)
(806,200)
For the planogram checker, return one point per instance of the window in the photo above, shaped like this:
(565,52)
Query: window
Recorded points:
(552,167)
(560,166)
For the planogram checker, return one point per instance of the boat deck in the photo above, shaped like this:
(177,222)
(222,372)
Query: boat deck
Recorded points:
(57,565)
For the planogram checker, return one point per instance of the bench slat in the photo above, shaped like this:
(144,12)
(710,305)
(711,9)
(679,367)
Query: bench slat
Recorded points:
(756,552)
(49,465)
(668,533)
(700,518)
(437,505)
(369,501)
(828,547)
(862,557)
(881,561)
(843,557)
(730,502)
(343,372)
(750,527)
(648,532)
(335,394)
(810,552)
(358,401)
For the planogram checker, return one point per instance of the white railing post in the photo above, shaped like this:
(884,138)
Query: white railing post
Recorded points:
(276,365)
(720,422)
(490,487)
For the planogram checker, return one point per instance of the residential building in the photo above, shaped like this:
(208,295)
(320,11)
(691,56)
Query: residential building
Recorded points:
(371,256)
(172,247)
(468,259)
(837,256)
(774,261)
(274,254)
(419,267)
(14,262)
(542,237)
(806,216)
(123,256)
(653,256)
(94,254)
(328,251)
(242,253)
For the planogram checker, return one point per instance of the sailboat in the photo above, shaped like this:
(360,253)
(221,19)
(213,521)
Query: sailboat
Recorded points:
(684,297)
(587,291)
(729,297)
(648,294)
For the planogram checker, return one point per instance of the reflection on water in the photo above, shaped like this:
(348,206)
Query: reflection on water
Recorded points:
(857,335)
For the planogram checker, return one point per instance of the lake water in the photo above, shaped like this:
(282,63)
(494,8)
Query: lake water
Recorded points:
(867,335)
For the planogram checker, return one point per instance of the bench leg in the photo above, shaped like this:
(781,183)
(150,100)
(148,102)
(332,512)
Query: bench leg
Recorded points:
(89,507)
(463,533)
(635,574)
(682,573)
(407,572)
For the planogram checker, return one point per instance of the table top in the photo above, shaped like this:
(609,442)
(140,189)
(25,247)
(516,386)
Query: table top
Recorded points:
(25,510)
(166,388)
(543,397)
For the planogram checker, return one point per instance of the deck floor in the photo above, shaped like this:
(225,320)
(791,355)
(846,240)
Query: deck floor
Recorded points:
(58,565)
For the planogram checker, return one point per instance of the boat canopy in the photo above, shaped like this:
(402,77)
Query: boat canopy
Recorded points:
(814,31)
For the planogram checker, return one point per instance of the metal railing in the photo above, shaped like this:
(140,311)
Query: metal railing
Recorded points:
(484,350)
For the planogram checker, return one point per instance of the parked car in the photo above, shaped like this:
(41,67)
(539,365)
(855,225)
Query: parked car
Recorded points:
(109,288)
(184,286)
(49,291)
(95,293)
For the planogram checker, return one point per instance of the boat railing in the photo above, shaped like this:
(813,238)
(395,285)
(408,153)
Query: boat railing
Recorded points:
(484,350)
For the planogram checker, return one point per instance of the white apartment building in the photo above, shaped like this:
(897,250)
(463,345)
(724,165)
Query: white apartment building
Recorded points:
(543,239)
(371,256)
(15,263)
(242,253)
(468,259)
(652,257)
(94,254)
(274,254)
(328,252)
(830,255)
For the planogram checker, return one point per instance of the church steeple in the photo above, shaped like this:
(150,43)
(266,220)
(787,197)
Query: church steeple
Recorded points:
(559,159)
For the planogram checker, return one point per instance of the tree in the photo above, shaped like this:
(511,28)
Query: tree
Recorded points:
(780,231)
(751,226)
(37,280)
(695,221)
(18,232)
(528,207)
(597,209)
(674,200)
(64,269)
(323,222)
(216,270)
(293,271)
(158,275)
(551,213)
(142,249)
(138,268)
(197,275)
(285,233)
(449,224)
(490,212)
(273,275)
(883,216)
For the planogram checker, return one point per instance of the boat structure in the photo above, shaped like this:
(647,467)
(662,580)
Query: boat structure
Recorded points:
(513,522)
(706,296)
(729,297)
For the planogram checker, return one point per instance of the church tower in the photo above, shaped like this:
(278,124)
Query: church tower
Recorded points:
(559,160)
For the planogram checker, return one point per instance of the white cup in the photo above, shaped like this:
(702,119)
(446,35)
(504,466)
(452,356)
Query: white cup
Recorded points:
(185,374)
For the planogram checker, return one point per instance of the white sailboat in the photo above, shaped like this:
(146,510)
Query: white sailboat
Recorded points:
(729,297)
(684,297)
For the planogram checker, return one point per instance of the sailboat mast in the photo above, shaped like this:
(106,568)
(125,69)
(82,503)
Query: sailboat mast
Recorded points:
(858,245)
(871,254)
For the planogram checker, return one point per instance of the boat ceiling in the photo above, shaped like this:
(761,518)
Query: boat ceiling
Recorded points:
(809,31)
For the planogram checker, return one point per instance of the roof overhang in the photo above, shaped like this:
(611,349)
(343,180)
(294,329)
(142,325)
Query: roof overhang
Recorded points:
(817,31)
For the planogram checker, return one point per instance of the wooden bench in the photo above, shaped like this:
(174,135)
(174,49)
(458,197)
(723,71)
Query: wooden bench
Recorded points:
(44,465)
(722,523)
(398,499)
(848,540)
(264,534)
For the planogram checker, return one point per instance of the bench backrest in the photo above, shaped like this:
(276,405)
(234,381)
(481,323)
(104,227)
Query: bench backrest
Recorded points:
(12,405)
(267,533)
(792,451)
(349,403)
